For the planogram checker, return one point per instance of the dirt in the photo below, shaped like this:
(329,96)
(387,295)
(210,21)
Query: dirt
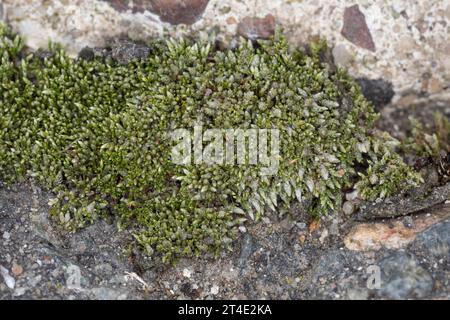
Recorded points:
(276,259)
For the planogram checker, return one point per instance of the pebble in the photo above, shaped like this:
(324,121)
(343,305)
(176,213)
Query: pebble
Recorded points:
(104,268)
(301,225)
(73,277)
(214,289)
(6,235)
(404,278)
(351,196)
(19,292)
(408,222)
(323,235)
(9,281)
(348,208)
(16,269)
(187,273)
(35,280)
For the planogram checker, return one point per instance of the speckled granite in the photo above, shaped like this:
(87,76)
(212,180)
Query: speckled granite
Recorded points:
(404,42)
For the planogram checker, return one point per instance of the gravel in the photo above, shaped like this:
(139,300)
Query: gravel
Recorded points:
(269,261)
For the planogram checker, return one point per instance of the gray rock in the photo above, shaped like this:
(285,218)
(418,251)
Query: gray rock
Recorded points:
(9,281)
(435,241)
(35,280)
(104,268)
(408,222)
(103,293)
(122,51)
(246,250)
(402,277)
(6,235)
(330,264)
(348,207)
(2,17)
(73,277)
(378,91)
(125,51)
(19,292)
(342,57)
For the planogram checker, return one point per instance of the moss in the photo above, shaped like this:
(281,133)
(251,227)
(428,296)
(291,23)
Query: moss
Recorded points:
(386,173)
(95,133)
(429,141)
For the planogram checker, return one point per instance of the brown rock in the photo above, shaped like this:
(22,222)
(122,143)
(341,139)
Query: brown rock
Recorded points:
(355,28)
(395,235)
(171,11)
(435,86)
(231,20)
(16,269)
(313,226)
(119,5)
(257,28)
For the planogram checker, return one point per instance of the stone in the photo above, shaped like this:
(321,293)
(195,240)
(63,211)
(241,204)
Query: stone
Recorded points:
(408,222)
(402,277)
(6,235)
(377,91)
(355,28)
(103,293)
(34,281)
(187,273)
(16,269)
(231,20)
(351,196)
(214,289)
(332,262)
(19,292)
(9,281)
(374,236)
(247,248)
(435,241)
(73,277)
(104,268)
(2,13)
(124,51)
(342,57)
(435,86)
(257,28)
(179,12)
(348,207)
(323,235)
(171,11)
(86,53)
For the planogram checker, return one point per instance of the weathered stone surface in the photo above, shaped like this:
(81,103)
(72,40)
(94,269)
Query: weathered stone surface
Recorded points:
(2,12)
(355,28)
(171,11)
(342,57)
(403,278)
(395,234)
(398,28)
(378,91)
(435,241)
(257,28)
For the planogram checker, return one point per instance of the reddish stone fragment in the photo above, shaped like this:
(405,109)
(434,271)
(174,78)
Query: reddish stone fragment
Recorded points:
(355,28)
(257,28)
(171,11)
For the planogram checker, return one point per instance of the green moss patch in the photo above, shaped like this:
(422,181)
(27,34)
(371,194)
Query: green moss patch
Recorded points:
(96,134)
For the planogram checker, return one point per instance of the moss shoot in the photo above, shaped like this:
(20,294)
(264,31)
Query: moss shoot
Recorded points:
(95,133)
